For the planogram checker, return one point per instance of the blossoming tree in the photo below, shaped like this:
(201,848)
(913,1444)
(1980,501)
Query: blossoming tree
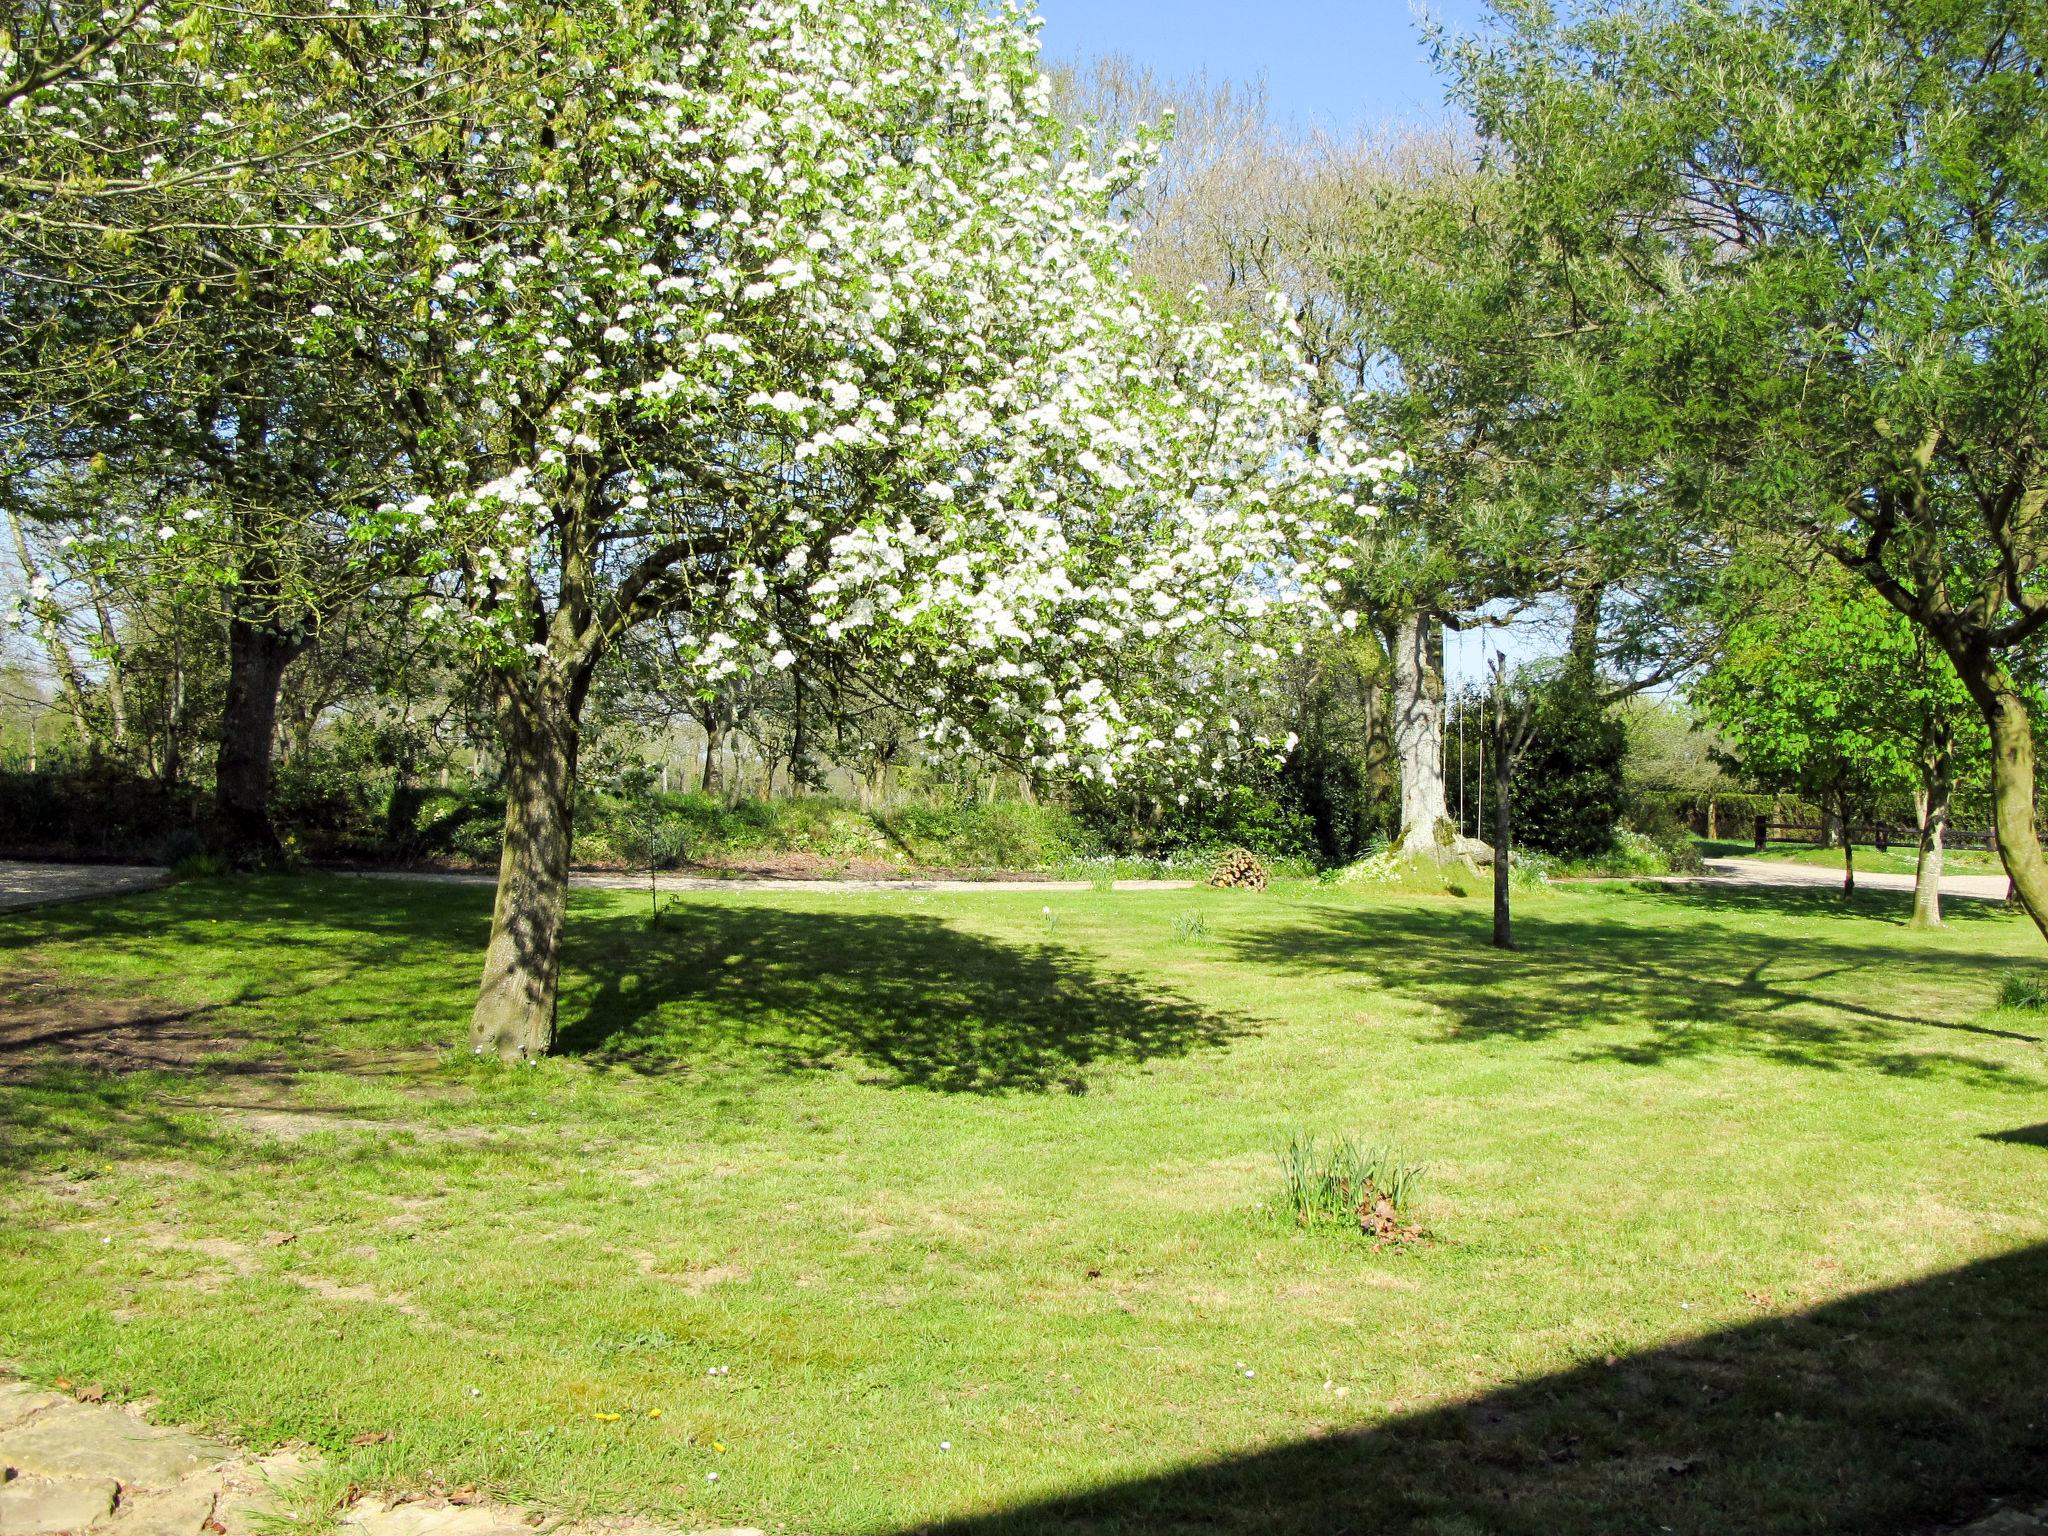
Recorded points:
(801,327)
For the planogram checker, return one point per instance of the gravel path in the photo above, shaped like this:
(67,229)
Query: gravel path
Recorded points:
(1773,872)
(43,885)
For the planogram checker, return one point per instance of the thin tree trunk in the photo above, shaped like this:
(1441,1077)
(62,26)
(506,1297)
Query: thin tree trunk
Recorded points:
(1934,803)
(1848,863)
(257,657)
(70,676)
(1415,643)
(115,688)
(1830,827)
(514,1018)
(1503,838)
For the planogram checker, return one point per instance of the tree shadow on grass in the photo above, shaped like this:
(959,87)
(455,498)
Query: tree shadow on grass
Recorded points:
(1640,988)
(904,997)
(344,974)
(1897,1411)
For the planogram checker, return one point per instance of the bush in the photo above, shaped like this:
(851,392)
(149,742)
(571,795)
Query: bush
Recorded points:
(1256,815)
(98,813)
(1568,787)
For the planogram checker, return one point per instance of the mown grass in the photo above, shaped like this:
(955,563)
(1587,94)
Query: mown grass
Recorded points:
(969,1205)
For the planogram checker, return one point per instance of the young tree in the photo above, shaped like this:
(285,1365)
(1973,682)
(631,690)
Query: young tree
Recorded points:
(799,325)
(1815,229)
(1823,688)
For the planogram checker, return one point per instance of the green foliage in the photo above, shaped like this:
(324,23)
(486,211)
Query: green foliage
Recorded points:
(1824,689)
(1191,928)
(1568,784)
(1260,813)
(1338,1182)
(2024,991)
(198,866)
(99,812)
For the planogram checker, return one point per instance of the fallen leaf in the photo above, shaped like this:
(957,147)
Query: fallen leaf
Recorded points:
(1679,1466)
(214,1526)
(467,1495)
(63,1384)
(1094,1274)
(279,1239)
(372,1437)
(92,1394)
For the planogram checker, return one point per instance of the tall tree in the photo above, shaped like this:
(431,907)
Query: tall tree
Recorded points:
(1817,230)
(801,327)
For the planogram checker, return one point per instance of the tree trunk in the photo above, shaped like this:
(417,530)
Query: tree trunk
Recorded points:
(1934,802)
(539,730)
(257,656)
(710,784)
(1503,840)
(1583,652)
(70,677)
(1848,867)
(114,688)
(1830,827)
(2012,792)
(1416,644)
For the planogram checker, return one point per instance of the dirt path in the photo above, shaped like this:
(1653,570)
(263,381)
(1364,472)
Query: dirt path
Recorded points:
(71,1464)
(24,885)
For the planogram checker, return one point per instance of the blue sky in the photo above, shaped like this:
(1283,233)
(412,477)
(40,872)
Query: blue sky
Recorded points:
(1330,61)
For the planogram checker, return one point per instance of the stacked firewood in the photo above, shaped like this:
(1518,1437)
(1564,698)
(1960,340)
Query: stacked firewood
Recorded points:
(1239,869)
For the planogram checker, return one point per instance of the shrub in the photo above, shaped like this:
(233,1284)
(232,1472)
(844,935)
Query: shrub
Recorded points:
(2025,991)
(1568,787)
(1338,1183)
(197,866)
(98,812)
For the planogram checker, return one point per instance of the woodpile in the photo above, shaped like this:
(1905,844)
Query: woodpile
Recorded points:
(1239,870)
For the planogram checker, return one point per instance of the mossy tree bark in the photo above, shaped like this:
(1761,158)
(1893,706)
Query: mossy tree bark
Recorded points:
(2012,788)
(1415,645)
(540,731)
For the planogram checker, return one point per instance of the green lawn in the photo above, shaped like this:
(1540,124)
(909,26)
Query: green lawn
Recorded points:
(1899,859)
(1736,1201)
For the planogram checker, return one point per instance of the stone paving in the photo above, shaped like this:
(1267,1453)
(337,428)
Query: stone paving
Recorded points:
(68,1467)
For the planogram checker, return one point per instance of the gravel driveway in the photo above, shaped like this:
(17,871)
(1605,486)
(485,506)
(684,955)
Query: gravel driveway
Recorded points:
(44,885)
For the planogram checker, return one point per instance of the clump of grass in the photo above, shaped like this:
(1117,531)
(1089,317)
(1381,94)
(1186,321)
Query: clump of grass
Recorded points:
(198,866)
(1337,1182)
(2025,991)
(1191,928)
